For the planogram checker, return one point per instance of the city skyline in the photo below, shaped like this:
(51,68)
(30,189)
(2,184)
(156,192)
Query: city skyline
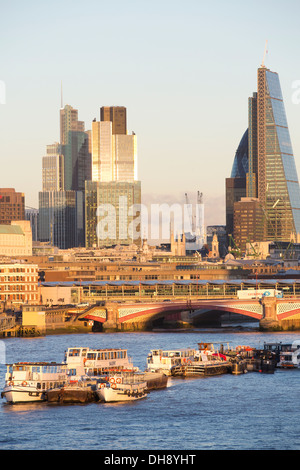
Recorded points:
(187,93)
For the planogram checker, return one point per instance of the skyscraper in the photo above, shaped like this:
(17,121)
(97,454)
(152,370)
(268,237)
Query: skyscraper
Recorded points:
(66,167)
(53,168)
(117,115)
(75,149)
(114,182)
(271,177)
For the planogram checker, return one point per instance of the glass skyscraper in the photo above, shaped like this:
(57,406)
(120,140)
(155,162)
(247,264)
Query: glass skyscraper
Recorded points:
(113,196)
(268,164)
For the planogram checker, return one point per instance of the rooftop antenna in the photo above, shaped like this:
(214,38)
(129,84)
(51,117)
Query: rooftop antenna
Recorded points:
(265,53)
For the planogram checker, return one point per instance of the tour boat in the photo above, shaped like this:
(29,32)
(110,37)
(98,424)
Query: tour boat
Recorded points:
(29,381)
(160,360)
(124,386)
(82,362)
(290,356)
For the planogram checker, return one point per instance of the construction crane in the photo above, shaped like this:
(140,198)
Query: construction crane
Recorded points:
(189,208)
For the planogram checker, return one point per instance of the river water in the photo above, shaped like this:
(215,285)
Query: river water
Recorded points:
(252,411)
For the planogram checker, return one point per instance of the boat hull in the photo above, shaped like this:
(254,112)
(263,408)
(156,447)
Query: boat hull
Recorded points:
(196,370)
(20,394)
(110,395)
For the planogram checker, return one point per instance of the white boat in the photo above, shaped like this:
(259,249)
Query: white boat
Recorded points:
(160,360)
(82,362)
(122,387)
(29,381)
(289,357)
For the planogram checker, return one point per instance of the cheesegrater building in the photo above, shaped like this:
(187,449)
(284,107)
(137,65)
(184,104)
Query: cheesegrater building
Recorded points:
(264,184)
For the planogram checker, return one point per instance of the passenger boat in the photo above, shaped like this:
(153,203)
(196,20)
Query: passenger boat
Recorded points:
(290,356)
(206,361)
(164,361)
(29,381)
(82,362)
(122,387)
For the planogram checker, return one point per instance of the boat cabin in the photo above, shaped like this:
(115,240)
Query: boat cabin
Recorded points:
(44,375)
(95,362)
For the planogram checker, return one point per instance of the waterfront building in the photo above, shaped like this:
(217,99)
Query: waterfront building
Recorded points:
(19,283)
(269,167)
(12,205)
(16,239)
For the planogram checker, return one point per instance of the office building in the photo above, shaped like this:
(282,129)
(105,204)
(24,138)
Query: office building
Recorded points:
(12,205)
(75,149)
(112,213)
(271,176)
(66,167)
(16,239)
(117,115)
(57,218)
(53,169)
(114,182)
(19,283)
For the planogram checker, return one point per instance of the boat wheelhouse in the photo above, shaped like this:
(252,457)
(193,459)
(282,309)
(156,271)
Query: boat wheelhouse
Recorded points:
(290,356)
(96,362)
(29,381)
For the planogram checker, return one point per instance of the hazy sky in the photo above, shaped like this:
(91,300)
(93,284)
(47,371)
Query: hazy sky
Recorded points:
(183,69)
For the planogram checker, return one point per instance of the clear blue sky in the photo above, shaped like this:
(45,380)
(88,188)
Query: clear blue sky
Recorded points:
(183,69)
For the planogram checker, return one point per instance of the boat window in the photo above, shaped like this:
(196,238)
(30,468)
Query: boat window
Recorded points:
(38,385)
(74,352)
(91,355)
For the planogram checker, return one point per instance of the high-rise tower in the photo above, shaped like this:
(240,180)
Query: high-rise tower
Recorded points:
(271,182)
(114,186)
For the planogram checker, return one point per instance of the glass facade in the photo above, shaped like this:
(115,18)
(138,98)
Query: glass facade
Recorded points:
(112,213)
(282,197)
(57,218)
(240,164)
(269,166)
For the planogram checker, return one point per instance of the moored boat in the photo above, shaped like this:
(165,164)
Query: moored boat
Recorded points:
(206,361)
(87,362)
(164,361)
(29,381)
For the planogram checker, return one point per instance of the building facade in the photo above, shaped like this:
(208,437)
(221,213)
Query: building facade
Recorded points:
(19,283)
(267,168)
(113,195)
(12,205)
(112,213)
(57,218)
(16,239)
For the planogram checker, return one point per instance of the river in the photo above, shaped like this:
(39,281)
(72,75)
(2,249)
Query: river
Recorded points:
(252,411)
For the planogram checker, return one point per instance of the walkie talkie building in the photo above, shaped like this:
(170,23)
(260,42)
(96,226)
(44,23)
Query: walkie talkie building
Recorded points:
(271,180)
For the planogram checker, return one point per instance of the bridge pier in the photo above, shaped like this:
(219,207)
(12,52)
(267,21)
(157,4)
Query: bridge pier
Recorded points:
(112,316)
(269,319)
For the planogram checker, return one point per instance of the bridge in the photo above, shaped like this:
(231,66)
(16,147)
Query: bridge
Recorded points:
(271,313)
